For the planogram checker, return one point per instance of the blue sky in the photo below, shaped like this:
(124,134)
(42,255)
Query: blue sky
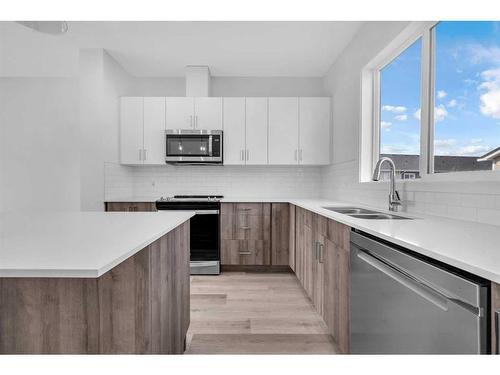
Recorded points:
(467,104)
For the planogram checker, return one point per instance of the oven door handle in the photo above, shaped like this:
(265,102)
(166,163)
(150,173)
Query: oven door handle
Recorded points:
(207,212)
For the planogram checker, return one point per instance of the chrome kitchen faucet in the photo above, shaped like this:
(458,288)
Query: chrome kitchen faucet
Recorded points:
(394,200)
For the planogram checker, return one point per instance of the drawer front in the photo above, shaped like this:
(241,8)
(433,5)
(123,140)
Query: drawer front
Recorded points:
(246,208)
(246,221)
(245,252)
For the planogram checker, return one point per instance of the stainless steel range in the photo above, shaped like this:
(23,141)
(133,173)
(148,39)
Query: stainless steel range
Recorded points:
(205,229)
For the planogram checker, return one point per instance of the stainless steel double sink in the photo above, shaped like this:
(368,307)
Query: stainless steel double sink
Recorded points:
(363,213)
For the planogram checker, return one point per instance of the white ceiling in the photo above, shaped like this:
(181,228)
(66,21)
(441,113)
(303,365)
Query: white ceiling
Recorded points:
(163,49)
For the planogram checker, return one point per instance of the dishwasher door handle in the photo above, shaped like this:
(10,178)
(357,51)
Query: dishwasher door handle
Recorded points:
(421,289)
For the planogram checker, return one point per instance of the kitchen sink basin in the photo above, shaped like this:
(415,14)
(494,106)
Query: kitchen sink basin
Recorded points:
(350,210)
(380,216)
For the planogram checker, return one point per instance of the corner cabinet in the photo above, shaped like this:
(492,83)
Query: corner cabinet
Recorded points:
(299,130)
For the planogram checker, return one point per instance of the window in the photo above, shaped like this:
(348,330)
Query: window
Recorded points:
(434,105)
(399,130)
(466,95)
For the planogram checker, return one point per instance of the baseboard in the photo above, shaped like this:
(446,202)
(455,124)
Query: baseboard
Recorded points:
(255,268)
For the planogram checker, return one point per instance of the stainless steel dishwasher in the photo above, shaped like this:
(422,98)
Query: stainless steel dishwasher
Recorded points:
(404,303)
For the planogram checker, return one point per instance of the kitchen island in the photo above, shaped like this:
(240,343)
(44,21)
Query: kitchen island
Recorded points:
(97,283)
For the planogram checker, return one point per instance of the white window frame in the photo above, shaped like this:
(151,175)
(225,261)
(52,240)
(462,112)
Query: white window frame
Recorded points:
(369,150)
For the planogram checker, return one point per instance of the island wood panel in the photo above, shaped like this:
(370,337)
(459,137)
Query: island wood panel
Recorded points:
(139,306)
(291,237)
(495,306)
(48,315)
(130,206)
(280,233)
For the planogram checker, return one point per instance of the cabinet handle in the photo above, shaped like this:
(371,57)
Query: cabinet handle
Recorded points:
(196,122)
(245,252)
(244,209)
(145,153)
(241,155)
(321,248)
(248,154)
(191,121)
(300,155)
(245,228)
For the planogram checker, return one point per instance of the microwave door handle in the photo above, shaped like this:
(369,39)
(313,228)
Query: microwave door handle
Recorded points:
(210,145)
(424,292)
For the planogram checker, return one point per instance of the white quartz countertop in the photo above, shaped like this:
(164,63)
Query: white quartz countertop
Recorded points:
(77,244)
(470,246)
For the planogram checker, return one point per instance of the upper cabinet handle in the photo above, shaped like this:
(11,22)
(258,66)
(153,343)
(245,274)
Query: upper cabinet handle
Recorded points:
(248,154)
(191,121)
(145,153)
(300,155)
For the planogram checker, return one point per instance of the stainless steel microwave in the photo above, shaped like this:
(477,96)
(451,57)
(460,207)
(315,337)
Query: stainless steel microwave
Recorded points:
(194,146)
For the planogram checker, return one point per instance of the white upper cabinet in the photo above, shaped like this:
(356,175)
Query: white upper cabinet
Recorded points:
(154,131)
(256,131)
(283,130)
(208,113)
(234,131)
(314,131)
(180,113)
(131,130)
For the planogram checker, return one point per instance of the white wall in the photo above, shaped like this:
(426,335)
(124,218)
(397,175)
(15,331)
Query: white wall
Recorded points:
(39,159)
(267,86)
(469,199)
(102,82)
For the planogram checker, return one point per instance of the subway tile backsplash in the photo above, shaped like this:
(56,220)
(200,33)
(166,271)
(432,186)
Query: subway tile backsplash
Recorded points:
(472,201)
(152,182)
(463,200)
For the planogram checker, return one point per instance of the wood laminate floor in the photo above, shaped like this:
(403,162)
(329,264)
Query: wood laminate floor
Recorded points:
(254,313)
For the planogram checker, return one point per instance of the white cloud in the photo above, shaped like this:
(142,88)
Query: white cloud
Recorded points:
(397,149)
(441,94)
(444,146)
(386,125)
(440,113)
(452,103)
(479,53)
(473,150)
(401,117)
(394,109)
(490,99)
(417,114)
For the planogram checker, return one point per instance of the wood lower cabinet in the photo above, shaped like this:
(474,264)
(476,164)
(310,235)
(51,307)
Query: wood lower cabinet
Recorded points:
(322,267)
(246,234)
(280,234)
(130,206)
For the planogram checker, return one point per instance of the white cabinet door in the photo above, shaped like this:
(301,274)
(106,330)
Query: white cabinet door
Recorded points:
(256,131)
(283,130)
(180,113)
(154,131)
(314,131)
(234,131)
(208,113)
(131,130)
